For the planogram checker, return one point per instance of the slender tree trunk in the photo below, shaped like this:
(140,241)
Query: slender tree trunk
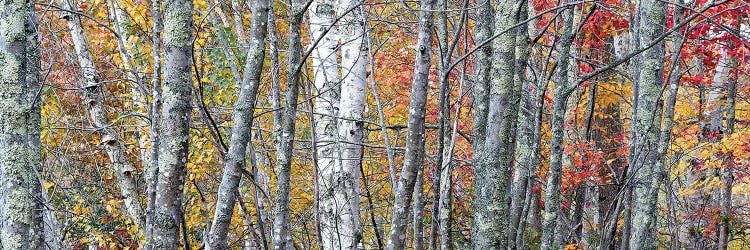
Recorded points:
(415,139)
(524,147)
(38,231)
(418,212)
(175,124)
(647,124)
(152,165)
(327,84)
(282,236)
(17,146)
(93,92)
(727,177)
(563,90)
(234,161)
(350,125)
(493,176)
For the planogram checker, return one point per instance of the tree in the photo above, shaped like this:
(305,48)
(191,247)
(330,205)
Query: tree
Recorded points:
(646,176)
(415,138)
(495,161)
(234,161)
(18,143)
(282,235)
(175,124)
(350,124)
(93,92)
(563,89)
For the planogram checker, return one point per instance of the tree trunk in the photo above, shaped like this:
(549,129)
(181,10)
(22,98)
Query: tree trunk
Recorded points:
(350,124)
(327,84)
(94,93)
(647,124)
(234,161)
(175,124)
(563,90)
(152,165)
(18,142)
(282,235)
(483,30)
(494,163)
(415,139)
(524,147)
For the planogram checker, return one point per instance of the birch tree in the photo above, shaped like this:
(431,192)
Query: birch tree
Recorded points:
(94,97)
(415,138)
(350,124)
(327,83)
(175,124)
(234,161)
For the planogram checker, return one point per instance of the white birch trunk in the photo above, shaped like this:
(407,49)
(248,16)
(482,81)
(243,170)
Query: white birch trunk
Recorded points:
(93,92)
(327,84)
(350,124)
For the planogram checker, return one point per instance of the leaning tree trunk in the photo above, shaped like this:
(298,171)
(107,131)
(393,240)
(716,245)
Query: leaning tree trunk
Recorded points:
(350,124)
(563,89)
(647,124)
(282,235)
(493,167)
(93,91)
(174,129)
(234,161)
(415,139)
(17,140)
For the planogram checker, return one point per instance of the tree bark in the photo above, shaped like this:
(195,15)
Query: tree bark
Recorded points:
(234,161)
(483,30)
(524,147)
(415,139)
(350,124)
(152,165)
(494,164)
(175,124)
(647,124)
(282,238)
(563,90)
(327,84)
(93,91)
(18,139)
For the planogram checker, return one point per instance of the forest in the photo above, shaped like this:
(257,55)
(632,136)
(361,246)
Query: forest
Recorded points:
(374,124)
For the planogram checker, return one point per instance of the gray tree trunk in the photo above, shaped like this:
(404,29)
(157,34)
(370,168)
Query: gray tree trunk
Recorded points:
(415,139)
(563,89)
(93,92)
(152,165)
(234,161)
(174,128)
(350,124)
(282,236)
(483,30)
(18,141)
(647,124)
(494,165)
(524,147)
